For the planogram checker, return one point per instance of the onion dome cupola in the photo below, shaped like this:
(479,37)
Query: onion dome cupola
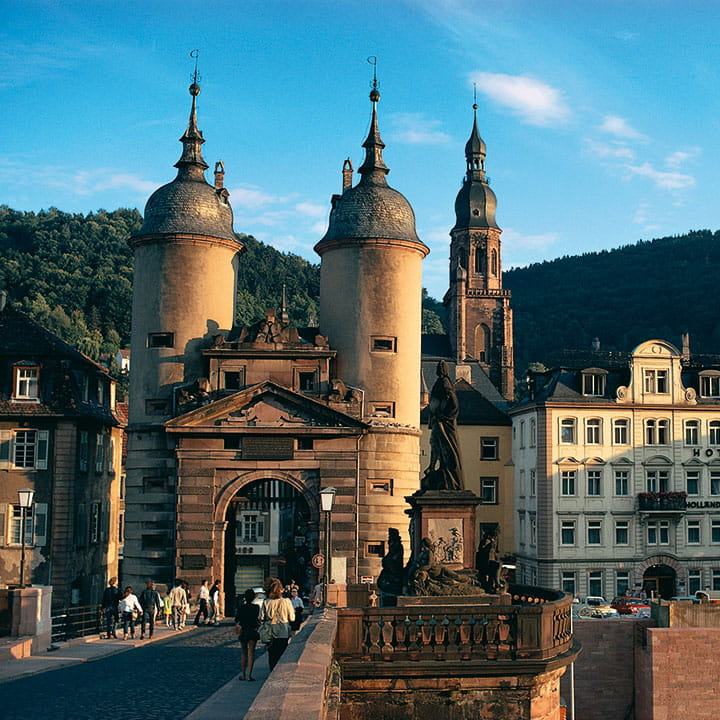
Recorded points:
(476,202)
(189,204)
(371,209)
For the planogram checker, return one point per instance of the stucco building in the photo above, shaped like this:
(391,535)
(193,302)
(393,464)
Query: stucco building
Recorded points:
(617,463)
(61,438)
(234,431)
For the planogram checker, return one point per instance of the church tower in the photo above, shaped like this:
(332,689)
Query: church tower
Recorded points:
(370,309)
(184,290)
(479,314)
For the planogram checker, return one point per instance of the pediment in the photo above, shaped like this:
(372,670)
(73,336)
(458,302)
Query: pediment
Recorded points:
(622,461)
(693,461)
(658,460)
(569,460)
(593,461)
(265,406)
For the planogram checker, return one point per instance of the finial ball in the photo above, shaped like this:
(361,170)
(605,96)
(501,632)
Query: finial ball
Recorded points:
(374,95)
(194,89)
(475,107)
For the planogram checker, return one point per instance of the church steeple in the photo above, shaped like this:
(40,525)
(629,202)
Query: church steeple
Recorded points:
(475,151)
(191,162)
(373,168)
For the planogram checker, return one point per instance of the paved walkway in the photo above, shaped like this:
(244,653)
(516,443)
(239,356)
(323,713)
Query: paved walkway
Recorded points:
(191,673)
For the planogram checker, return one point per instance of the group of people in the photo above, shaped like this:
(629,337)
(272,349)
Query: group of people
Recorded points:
(281,612)
(125,608)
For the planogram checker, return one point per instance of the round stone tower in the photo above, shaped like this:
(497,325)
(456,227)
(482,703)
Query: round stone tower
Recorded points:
(370,309)
(183,294)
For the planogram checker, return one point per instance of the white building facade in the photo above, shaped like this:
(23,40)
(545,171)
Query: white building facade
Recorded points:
(617,475)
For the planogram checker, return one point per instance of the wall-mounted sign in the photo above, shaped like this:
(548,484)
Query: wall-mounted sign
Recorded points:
(318,561)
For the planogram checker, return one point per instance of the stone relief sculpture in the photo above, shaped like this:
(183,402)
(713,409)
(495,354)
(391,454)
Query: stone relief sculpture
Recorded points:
(445,469)
(426,576)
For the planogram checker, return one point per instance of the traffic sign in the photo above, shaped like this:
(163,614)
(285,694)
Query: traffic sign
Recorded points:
(318,561)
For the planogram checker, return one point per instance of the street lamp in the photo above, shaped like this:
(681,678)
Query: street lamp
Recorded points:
(327,498)
(25,499)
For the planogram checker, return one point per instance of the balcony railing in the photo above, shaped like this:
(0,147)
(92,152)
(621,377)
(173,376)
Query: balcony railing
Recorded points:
(662,502)
(536,626)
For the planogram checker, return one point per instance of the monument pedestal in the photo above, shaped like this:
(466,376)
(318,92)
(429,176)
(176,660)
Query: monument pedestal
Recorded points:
(447,517)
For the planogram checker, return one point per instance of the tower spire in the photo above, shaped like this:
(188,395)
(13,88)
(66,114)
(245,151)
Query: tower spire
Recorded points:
(191,162)
(373,168)
(475,148)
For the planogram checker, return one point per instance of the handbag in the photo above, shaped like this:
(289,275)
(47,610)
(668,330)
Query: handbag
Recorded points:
(266,633)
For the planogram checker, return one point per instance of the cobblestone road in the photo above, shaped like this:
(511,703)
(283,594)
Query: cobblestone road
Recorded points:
(160,680)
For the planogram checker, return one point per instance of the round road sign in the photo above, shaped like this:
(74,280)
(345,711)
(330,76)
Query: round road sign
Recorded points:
(318,561)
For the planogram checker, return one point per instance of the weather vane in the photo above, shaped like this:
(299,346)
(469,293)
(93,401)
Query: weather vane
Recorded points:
(194,54)
(474,96)
(373,61)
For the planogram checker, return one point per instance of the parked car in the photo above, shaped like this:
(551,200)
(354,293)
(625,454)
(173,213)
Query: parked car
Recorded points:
(631,606)
(685,598)
(596,606)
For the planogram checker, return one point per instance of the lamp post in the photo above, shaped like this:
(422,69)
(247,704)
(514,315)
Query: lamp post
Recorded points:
(25,499)
(327,498)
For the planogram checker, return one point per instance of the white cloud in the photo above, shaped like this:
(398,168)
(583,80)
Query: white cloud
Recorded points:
(250,196)
(613,149)
(533,101)
(416,129)
(663,180)
(620,127)
(519,241)
(319,228)
(311,210)
(680,157)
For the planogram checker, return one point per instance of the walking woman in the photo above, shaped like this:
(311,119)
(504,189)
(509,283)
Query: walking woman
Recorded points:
(130,610)
(279,612)
(247,620)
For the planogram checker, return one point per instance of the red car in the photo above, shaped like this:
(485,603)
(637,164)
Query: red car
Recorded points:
(631,606)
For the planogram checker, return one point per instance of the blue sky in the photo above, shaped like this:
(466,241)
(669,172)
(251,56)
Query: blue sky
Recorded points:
(601,119)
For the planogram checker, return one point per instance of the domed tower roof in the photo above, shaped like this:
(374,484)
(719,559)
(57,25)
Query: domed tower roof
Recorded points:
(188,204)
(476,202)
(371,209)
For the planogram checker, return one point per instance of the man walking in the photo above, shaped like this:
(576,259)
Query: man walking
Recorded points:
(178,600)
(110,599)
(215,603)
(151,605)
(204,600)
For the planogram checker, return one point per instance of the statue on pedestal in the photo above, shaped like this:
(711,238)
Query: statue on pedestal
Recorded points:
(489,568)
(445,469)
(426,576)
(390,580)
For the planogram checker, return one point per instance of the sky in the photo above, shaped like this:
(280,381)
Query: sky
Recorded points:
(600,119)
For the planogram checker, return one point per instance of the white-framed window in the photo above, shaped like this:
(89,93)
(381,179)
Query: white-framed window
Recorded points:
(533,432)
(567,431)
(252,528)
(692,432)
(594,483)
(489,490)
(533,530)
(522,433)
(567,482)
(694,580)
(622,582)
(26,384)
(714,432)
(710,385)
(24,449)
(35,524)
(658,480)
(716,579)
(656,381)
(657,432)
(232,379)
(99,452)
(715,531)
(489,448)
(658,532)
(568,582)
(692,482)
(594,384)
(383,343)
(593,431)
(621,431)
(84,450)
(567,532)
(622,482)
(715,482)
(622,532)
(693,532)
(533,483)
(111,455)
(307,380)
(521,529)
(594,532)
(595,582)
(15,534)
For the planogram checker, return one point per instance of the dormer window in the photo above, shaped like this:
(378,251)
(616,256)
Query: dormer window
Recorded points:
(25,387)
(593,382)
(656,381)
(710,384)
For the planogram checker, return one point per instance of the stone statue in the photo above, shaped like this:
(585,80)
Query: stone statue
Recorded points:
(426,576)
(390,580)
(489,568)
(445,469)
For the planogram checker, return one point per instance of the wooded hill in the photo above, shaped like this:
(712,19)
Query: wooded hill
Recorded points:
(73,273)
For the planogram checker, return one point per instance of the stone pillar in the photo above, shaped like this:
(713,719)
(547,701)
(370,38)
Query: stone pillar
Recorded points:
(31,615)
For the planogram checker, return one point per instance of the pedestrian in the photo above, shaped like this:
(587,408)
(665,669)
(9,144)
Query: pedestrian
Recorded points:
(316,597)
(204,600)
(215,603)
(131,609)
(167,609)
(110,599)
(298,607)
(247,621)
(279,612)
(151,605)
(178,600)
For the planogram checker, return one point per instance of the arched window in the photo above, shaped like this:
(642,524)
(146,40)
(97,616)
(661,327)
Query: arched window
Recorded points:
(493,262)
(461,258)
(483,343)
(478,260)
(593,431)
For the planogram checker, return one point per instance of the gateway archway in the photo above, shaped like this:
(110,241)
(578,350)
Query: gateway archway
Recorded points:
(659,580)
(269,533)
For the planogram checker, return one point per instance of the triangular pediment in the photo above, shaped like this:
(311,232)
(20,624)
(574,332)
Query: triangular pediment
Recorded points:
(265,406)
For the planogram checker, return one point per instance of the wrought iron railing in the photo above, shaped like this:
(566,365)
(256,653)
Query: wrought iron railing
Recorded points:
(658,501)
(76,621)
